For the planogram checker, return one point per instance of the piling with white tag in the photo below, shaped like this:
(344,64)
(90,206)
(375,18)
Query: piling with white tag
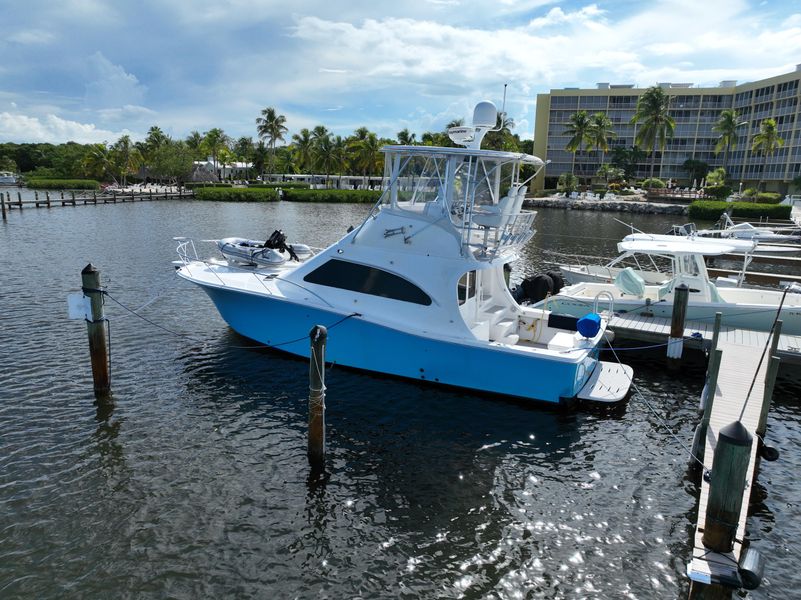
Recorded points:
(316,448)
(675,346)
(96,329)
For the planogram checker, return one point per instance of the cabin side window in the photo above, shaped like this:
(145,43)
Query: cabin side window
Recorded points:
(466,288)
(367,280)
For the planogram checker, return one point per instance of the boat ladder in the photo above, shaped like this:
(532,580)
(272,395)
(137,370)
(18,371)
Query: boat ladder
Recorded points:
(606,294)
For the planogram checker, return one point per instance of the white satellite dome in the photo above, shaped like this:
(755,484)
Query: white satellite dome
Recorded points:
(485,115)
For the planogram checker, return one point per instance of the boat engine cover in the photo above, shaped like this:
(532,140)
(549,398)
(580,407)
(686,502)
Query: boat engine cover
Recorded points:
(589,325)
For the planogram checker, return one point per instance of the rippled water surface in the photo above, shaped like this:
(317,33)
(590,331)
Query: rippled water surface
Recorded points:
(195,484)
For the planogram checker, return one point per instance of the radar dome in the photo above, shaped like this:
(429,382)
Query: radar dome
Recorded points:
(485,115)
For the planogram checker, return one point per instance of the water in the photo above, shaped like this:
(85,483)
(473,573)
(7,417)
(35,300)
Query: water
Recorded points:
(195,484)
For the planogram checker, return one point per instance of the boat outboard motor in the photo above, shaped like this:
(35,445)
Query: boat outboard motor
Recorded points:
(536,288)
(277,241)
(558,280)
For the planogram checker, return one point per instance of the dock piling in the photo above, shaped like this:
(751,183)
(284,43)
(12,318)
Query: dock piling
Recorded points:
(699,441)
(316,448)
(19,200)
(3,206)
(726,485)
(97,331)
(676,340)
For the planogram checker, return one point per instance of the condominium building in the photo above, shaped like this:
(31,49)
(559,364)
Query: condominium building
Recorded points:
(695,111)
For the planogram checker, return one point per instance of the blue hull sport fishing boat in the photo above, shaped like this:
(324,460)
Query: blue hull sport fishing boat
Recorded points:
(418,289)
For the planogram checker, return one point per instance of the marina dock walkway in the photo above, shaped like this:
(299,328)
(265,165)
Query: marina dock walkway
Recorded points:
(738,396)
(731,403)
(698,335)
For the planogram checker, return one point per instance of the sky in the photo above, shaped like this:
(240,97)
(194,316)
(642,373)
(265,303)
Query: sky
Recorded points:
(93,70)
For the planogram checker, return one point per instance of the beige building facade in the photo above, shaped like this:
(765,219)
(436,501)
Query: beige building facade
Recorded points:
(695,111)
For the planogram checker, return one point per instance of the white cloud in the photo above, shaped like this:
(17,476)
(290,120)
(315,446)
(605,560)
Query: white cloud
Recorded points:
(51,128)
(110,85)
(128,112)
(32,37)
(556,16)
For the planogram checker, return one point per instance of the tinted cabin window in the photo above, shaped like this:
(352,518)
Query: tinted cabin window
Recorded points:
(367,280)
(467,287)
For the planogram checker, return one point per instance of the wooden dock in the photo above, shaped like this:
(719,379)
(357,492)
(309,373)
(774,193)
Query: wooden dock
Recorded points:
(742,390)
(731,403)
(47,199)
(698,335)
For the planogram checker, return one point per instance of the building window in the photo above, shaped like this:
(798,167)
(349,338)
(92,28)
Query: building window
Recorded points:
(367,280)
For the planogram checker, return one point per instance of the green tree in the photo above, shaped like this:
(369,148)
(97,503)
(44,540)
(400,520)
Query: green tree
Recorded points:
(627,159)
(194,142)
(696,169)
(323,151)
(610,173)
(303,146)
(405,138)
(272,127)
(654,121)
(601,132)
(726,126)
(172,161)
(260,155)
(125,158)
(766,142)
(97,163)
(567,183)
(579,128)
(367,154)
(7,164)
(214,140)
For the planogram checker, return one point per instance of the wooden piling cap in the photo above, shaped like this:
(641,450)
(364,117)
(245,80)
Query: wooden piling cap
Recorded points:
(735,434)
(88,269)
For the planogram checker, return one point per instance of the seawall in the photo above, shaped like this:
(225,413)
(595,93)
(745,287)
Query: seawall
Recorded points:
(630,206)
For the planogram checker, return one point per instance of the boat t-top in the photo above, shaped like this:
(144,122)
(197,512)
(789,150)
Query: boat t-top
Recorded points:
(745,308)
(418,289)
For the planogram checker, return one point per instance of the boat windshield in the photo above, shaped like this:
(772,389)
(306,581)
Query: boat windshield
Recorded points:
(457,180)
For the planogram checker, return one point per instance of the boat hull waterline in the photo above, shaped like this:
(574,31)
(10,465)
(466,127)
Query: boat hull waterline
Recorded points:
(356,342)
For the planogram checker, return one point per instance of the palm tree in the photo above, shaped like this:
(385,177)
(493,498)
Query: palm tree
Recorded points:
(270,125)
(194,141)
(215,139)
(405,138)
(323,151)
(260,154)
(726,126)
(97,162)
(767,141)
(302,154)
(367,154)
(600,132)
(656,125)
(125,158)
(578,126)
(339,157)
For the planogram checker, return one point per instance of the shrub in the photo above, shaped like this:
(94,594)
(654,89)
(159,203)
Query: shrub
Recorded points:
(719,192)
(653,182)
(767,198)
(613,187)
(220,194)
(287,185)
(750,192)
(206,184)
(352,196)
(63,184)
(567,183)
(626,192)
(710,210)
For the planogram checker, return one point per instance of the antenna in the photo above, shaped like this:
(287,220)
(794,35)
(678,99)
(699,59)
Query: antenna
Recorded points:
(502,114)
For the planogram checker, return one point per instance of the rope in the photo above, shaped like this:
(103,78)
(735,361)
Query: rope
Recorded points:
(762,356)
(189,336)
(660,419)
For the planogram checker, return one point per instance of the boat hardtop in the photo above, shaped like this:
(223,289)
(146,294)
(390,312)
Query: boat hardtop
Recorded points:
(418,289)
